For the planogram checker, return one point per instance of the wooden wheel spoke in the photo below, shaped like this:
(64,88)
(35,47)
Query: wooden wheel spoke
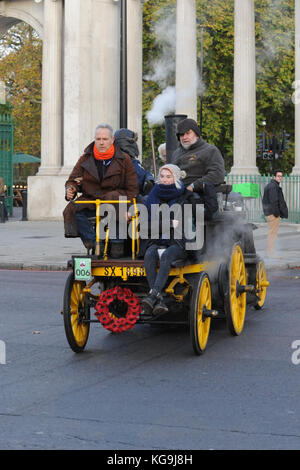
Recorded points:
(74,304)
(235,305)
(201,298)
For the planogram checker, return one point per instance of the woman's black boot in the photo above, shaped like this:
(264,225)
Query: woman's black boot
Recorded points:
(149,302)
(160,307)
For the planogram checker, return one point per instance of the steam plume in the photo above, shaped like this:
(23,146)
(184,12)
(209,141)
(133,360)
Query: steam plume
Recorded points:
(164,71)
(163,104)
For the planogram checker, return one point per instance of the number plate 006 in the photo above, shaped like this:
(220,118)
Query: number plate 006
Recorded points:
(82,269)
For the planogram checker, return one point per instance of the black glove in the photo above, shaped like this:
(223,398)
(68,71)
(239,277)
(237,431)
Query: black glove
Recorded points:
(147,186)
(199,186)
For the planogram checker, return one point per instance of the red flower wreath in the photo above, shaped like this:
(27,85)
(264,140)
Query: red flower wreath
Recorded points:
(118,309)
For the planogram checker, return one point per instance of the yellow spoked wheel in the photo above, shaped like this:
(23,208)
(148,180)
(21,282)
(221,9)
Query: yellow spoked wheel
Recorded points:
(199,323)
(261,284)
(76,311)
(235,299)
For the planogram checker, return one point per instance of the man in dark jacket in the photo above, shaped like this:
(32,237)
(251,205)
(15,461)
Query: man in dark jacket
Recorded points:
(201,161)
(102,172)
(274,207)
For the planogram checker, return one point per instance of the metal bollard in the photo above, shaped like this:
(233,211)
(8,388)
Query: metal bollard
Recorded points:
(2,210)
(24,206)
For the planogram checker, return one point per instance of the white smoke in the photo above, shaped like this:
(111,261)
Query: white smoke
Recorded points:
(163,67)
(163,71)
(163,104)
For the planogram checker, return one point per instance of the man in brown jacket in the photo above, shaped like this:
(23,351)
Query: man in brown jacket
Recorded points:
(102,172)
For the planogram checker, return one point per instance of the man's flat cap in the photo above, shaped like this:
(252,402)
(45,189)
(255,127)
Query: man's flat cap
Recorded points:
(186,125)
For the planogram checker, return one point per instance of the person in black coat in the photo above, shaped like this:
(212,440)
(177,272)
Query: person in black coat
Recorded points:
(126,140)
(274,207)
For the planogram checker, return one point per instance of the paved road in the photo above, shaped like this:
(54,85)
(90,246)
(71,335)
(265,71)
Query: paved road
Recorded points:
(145,389)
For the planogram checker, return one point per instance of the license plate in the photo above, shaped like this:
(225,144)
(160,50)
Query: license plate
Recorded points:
(82,269)
(124,271)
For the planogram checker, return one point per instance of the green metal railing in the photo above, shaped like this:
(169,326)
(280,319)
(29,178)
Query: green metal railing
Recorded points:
(6,157)
(291,190)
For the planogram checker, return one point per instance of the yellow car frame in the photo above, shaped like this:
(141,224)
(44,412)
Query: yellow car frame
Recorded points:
(201,291)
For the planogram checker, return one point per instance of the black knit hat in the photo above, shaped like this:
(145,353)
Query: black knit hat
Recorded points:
(125,134)
(186,125)
(126,139)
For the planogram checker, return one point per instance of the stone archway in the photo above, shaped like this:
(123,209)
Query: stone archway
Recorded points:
(81,49)
(46,18)
(13,12)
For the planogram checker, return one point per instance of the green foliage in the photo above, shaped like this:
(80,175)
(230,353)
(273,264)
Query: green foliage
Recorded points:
(274,23)
(21,64)
(5,108)
(275,73)
(154,11)
(215,28)
(217,23)
(21,71)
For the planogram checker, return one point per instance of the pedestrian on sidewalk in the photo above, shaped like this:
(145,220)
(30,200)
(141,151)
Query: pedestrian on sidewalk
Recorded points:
(2,196)
(274,207)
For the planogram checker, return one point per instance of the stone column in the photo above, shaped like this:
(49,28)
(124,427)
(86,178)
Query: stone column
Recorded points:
(91,73)
(186,59)
(45,190)
(51,146)
(135,66)
(296,169)
(106,63)
(77,81)
(244,153)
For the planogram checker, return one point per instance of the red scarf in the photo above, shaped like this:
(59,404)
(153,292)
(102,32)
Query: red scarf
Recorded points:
(104,155)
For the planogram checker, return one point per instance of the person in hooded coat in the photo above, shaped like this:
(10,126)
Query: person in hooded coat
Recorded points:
(126,140)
